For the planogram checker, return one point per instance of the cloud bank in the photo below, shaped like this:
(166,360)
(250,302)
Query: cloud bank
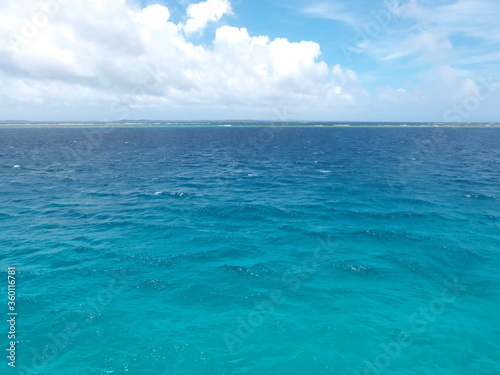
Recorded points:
(411,60)
(114,55)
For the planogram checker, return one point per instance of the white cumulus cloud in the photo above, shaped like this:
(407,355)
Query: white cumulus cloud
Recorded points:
(201,14)
(110,59)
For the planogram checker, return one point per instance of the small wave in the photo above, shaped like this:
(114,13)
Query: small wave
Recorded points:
(480,196)
(356,269)
(17,166)
(239,269)
(175,193)
(323,171)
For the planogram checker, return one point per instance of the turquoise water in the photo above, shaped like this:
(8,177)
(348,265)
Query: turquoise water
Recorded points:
(252,251)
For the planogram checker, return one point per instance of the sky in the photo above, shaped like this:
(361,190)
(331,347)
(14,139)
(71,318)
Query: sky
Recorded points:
(288,60)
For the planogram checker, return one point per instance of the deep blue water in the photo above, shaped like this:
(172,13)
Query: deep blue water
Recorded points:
(252,251)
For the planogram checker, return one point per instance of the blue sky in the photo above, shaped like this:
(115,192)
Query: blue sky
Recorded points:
(378,60)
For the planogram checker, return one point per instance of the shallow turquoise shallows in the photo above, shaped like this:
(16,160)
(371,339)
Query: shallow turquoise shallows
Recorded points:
(197,251)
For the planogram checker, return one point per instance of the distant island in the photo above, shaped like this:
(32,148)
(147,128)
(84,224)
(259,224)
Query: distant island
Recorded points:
(235,123)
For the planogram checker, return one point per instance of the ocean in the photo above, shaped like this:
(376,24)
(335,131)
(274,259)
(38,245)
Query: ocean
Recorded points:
(251,250)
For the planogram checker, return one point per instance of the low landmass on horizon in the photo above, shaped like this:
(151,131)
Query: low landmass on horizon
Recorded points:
(238,123)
